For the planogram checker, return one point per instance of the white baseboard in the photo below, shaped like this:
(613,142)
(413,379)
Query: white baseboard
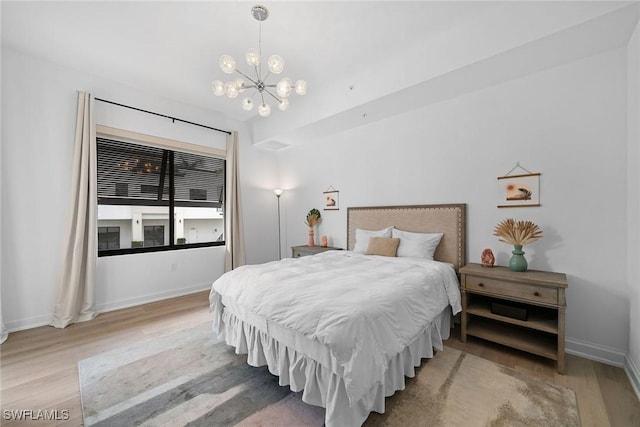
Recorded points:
(599,353)
(37,321)
(28,323)
(634,375)
(144,299)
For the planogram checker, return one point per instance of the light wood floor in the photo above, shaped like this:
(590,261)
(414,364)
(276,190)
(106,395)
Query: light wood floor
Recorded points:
(39,366)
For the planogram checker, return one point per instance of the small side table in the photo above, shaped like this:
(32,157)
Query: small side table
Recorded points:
(541,294)
(304,250)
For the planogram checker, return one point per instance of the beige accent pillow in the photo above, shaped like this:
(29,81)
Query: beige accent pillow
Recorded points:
(385,246)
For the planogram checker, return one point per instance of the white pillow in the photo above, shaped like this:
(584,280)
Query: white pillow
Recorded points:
(363,236)
(417,245)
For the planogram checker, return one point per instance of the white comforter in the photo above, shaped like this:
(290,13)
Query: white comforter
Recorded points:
(365,308)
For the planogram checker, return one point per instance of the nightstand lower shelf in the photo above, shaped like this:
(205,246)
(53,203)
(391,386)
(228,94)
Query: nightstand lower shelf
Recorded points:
(542,344)
(539,318)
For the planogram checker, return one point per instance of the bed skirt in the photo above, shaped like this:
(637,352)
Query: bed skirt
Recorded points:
(320,385)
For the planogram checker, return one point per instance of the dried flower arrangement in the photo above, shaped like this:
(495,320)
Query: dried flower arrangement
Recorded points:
(313,218)
(517,232)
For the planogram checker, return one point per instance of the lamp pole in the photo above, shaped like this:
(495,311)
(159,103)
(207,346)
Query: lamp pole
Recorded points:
(278,192)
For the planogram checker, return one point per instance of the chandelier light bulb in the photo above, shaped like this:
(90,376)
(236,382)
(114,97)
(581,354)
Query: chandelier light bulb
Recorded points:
(253,57)
(247,104)
(275,64)
(227,64)
(283,88)
(218,87)
(264,110)
(301,87)
(283,105)
(240,85)
(231,90)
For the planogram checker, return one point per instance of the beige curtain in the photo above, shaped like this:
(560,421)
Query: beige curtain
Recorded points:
(234,256)
(76,281)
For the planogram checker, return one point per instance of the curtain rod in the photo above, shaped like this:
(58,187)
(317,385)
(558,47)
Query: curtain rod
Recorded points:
(163,115)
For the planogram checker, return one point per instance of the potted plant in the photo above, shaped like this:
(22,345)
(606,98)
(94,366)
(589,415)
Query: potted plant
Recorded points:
(181,240)
(313,218)
(518,234)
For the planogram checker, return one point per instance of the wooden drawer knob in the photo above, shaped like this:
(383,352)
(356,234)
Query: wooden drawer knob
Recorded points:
(536,294)
(481,285)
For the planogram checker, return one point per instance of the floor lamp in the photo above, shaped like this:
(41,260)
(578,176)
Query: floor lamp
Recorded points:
(278,192)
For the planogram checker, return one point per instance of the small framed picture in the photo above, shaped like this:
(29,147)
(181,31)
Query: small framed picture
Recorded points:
(331,200)
(519,190)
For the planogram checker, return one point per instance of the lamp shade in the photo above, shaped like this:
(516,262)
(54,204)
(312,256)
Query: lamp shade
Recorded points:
(264,110)
(253,57)
(283,88)
(247,104)
(278,191)
(283,105)
(218,87)
(227,64)
(275,64)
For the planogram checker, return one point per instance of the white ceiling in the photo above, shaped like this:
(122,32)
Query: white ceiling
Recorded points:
(172,49)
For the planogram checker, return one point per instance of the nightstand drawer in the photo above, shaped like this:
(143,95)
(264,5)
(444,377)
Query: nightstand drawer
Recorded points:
(526,292)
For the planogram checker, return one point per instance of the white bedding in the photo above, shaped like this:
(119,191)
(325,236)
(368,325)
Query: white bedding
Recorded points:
(365,309)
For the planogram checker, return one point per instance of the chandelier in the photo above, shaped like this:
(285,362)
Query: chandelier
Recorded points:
(258,81)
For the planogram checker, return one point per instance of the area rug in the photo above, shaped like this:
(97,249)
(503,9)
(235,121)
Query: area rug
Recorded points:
(191,378)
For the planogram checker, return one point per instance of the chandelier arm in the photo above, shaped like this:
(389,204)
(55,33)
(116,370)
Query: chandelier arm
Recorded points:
(246,77)
(274,97)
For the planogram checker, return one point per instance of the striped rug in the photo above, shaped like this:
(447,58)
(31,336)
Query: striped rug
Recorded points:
(190,378)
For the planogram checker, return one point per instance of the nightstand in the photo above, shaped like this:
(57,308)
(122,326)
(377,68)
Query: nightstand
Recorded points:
(519,310)
(298,251)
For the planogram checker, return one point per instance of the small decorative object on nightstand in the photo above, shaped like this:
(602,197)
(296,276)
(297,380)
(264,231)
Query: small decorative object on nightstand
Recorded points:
(518,234)
(298,251)
(496,300)
(313,218)
(487,258)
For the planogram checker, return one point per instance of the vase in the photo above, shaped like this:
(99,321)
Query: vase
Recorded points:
(311,241)
(518,262)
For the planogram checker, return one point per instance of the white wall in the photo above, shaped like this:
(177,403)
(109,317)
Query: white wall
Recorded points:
(38,118)
(568,122)
(633,211)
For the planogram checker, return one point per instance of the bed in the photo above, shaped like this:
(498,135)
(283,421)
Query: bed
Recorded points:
(344,327)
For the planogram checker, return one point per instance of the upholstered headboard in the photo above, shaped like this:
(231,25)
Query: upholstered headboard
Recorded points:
(449,219)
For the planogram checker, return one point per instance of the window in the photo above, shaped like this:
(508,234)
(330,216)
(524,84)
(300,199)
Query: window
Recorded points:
(108,238)
(153,235)
(153,199)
